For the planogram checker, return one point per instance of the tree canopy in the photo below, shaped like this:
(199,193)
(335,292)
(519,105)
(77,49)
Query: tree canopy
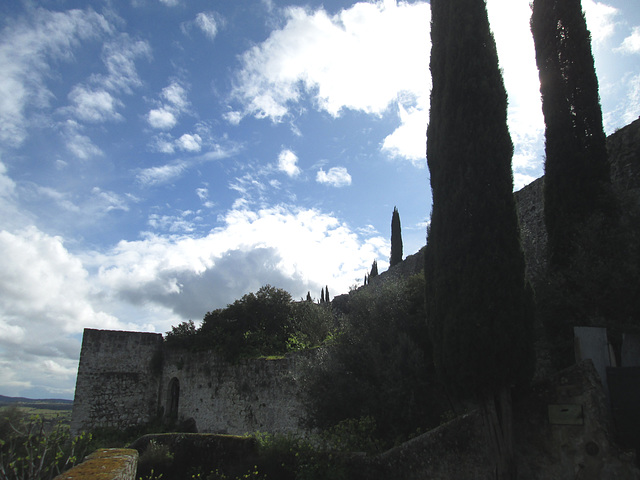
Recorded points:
(264,323)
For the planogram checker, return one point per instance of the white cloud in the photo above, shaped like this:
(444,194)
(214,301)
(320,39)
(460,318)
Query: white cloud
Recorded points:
(47,298)
(208,24)
(94,105)
(409,140)
(176,95)
(190,143)
(77,143)
(289,247)
(172,224)
(631,44)
(166,116)
(170,3)
(600,20)
(632,106)
(119,56)
(161,119)
(158,175)
(287,161)
(336,177)
(26,47)
(109,201)
(357,59)
(7,185)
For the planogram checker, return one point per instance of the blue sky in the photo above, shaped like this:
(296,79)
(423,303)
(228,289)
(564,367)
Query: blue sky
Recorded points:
(161,158)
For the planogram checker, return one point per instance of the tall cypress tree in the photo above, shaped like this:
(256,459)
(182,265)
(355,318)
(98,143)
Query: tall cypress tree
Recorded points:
(396,239)
(591,252)
(577,180)
(479,310)
(326,293)
(374,270)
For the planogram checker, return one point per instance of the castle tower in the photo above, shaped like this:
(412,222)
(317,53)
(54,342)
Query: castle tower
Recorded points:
(118,383)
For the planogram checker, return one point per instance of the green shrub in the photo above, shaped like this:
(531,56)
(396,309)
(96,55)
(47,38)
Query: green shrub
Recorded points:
(265,323)
(31,448)
(380,367)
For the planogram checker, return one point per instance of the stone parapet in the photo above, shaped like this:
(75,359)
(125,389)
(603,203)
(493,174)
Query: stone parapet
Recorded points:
(105,464)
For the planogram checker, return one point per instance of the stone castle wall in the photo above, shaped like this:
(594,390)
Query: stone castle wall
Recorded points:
(118,379)
(253,395)
(131,378)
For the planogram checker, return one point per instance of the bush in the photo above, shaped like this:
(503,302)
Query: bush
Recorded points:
(32,449)
(380,367)
(267,323)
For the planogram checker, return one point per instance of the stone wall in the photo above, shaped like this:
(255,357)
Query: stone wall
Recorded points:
(118,379)
(131,378)
(253,395)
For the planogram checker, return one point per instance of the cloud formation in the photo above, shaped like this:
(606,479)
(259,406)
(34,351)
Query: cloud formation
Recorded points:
(207,22)
(336,177)
(26,47)
(631,44)
(287,162)
(290,247)
(47,299)
(174,103)
(355,60)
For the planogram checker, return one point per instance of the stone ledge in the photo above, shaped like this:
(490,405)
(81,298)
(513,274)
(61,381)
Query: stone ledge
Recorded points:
(105,464)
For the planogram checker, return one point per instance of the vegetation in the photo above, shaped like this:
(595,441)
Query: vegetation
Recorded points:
(266,323)
(32,448)
(379,367)
(316,456)
(478,308)
(593,242)
(396,239)
(374,270)
(577,181)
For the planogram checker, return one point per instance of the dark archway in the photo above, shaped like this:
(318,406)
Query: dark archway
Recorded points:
(173,398)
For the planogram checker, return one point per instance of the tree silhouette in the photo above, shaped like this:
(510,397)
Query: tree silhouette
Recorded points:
(478,307)
(396,239)
(374,270)
(577,180)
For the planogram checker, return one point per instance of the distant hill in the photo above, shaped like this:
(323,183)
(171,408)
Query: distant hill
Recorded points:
(48,403)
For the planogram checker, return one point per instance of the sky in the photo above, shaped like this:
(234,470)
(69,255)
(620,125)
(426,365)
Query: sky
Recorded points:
(161,158)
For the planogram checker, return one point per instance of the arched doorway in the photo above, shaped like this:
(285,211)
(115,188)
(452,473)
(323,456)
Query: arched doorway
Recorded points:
(173,397)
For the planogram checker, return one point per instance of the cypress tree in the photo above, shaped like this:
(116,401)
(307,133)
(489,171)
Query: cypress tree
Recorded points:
(322,296)
(396,239)
(374,270)
(577,180)
(326,293)
(479,310)
(309,297)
